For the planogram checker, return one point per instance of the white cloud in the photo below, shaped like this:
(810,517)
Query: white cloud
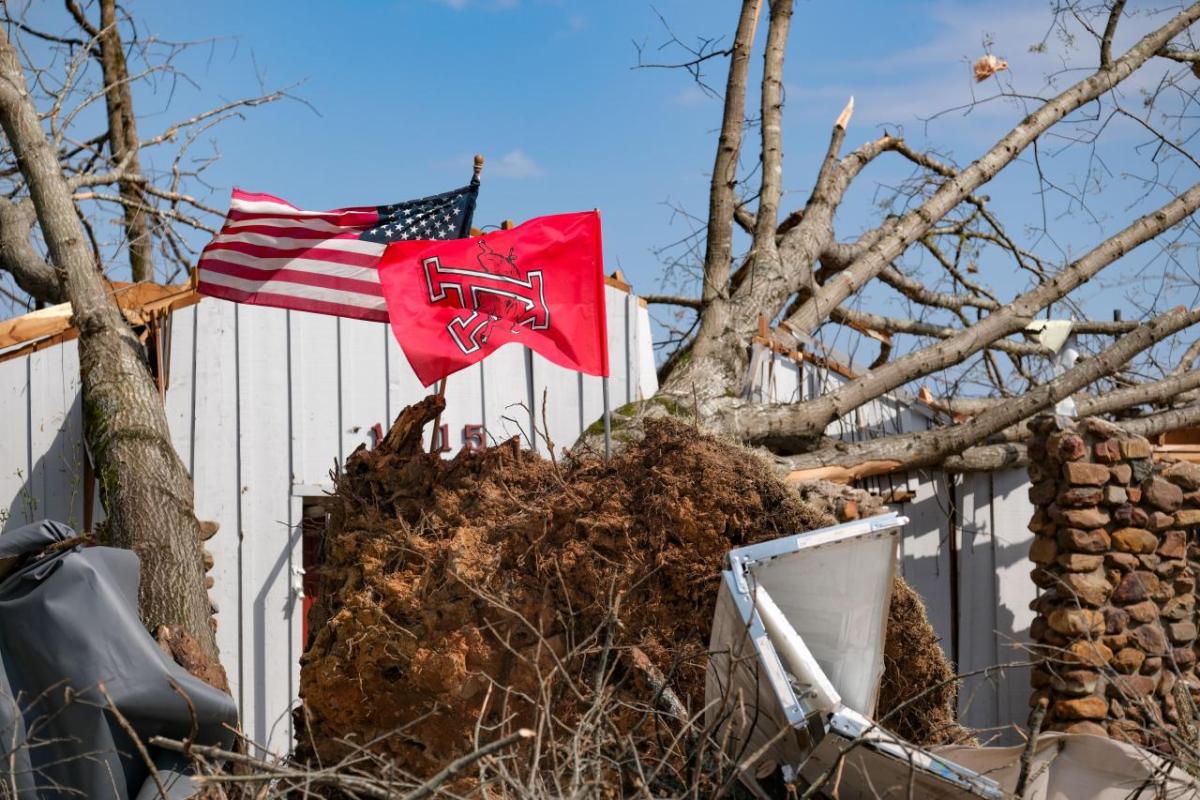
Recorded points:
(691,95)
(515,164)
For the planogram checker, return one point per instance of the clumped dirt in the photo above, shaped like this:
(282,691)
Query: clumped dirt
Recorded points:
(453,589)
(917,696)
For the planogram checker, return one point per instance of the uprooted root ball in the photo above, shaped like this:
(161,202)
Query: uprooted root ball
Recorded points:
(459,596)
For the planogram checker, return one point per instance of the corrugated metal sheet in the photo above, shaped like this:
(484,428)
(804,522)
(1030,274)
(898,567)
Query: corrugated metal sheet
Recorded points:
(263,404)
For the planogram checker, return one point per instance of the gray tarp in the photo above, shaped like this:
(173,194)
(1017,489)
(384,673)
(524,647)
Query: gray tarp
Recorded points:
(69,622)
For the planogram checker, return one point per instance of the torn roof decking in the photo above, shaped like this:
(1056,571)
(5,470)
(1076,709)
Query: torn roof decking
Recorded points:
(46,327)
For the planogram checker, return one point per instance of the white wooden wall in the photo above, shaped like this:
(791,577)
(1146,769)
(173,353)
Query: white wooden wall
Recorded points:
(965,548)
(263,403)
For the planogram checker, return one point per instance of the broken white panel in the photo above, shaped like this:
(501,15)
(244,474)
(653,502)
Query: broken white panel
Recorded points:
(858,760)
(797,645)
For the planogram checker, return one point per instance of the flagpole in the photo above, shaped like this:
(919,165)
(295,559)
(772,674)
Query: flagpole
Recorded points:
(607,423)
(434,445)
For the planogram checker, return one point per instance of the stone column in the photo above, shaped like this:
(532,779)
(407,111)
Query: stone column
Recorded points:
(1115,634)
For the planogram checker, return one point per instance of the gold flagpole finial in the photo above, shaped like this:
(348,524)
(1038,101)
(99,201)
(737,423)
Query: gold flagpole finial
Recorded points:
(478,166)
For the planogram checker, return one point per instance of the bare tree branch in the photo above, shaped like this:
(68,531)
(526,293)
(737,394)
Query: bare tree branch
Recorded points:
(917,222)
(1110,30)
(806,420)
(18,257)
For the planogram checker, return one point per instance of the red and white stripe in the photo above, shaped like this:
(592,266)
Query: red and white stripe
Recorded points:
(271,253)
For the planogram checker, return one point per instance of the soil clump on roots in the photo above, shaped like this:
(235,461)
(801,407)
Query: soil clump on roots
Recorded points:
(464,598)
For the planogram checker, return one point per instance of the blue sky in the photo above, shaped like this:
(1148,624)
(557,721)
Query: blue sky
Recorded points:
(398,95)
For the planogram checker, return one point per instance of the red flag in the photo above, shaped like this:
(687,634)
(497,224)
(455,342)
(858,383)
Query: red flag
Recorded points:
(540,284)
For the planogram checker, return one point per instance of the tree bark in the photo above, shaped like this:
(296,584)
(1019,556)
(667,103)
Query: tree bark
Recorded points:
(18,257)
(145,489)
(718,253)
(123,143)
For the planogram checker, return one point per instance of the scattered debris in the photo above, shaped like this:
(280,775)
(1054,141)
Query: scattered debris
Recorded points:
(987,66)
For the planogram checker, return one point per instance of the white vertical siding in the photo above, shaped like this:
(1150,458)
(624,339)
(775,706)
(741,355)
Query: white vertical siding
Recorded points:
(1011,513)
(362,382)
(181,356)
(313,353)
(555,389)
(14,435)
(978,696)
(926,551)
(216,474)
(504,395)
(647,373)
(55,434)
(264,493)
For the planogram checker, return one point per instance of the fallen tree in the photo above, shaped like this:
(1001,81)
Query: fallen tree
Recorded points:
(797,273)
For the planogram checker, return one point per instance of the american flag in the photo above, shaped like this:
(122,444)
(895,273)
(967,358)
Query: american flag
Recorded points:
(271,253)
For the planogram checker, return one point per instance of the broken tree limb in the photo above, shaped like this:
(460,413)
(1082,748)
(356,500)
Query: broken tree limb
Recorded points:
(1164,421)
(18,256)
(1189,358)
(777,425)
(865,320)
(928,448)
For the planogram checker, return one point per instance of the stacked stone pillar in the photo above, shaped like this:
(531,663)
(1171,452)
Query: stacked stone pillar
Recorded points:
(1115,559)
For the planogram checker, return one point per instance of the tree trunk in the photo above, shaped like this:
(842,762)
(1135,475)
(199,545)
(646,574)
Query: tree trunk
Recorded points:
(123,141)
(145,489)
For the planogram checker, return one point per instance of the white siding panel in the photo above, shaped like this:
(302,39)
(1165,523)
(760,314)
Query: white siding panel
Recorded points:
(268,604)
(1011,513)
(215,472)
(926,553)
(464,406)
(363,381)
(787,379)
(404,388)
(978,696)
(181,381)
(316,425)
(618,354)
(15,497)
(647,374)
(505,395)
(557,405)
(56,434)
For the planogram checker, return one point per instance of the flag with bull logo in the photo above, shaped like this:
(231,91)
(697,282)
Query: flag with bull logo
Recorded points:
(540,284)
